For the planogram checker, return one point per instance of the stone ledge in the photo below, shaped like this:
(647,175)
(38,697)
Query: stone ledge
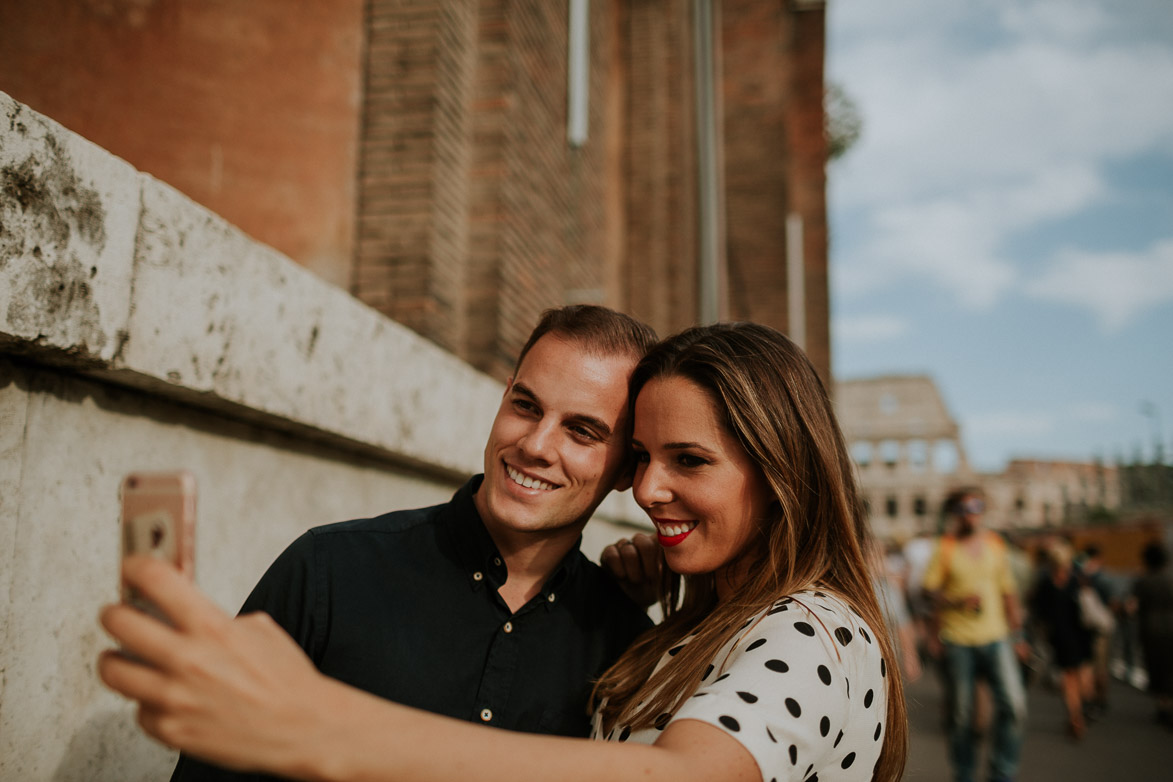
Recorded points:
(110,272)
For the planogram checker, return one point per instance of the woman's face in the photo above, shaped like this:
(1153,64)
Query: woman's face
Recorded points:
(705,495)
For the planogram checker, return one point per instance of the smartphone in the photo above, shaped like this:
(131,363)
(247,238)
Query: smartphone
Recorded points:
(158,519)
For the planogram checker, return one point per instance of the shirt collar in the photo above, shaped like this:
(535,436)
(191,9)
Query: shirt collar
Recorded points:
(477,553)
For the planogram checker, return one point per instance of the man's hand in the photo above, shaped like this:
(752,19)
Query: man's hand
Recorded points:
(636,564)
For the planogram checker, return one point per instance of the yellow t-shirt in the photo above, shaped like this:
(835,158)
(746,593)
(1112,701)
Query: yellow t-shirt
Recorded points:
(961,572)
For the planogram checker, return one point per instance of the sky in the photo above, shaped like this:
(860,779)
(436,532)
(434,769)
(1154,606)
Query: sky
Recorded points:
(1004,223)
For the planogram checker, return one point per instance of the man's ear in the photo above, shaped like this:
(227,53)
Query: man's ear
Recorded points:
(508,385)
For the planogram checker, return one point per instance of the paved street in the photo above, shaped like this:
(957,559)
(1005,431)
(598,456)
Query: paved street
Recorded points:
(1126,746)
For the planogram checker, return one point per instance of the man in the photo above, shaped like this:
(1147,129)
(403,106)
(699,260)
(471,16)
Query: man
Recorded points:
(978,621)
(483,608)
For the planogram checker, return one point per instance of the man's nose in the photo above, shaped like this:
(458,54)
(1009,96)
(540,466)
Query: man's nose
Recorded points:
(538,443)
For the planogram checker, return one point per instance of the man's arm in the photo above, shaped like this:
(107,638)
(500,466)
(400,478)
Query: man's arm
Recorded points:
(284,592)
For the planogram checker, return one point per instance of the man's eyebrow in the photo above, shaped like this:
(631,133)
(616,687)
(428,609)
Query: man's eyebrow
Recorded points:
(601,426)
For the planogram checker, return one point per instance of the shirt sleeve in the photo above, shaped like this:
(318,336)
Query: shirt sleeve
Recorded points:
(800,692)
(290,592)
(934,577)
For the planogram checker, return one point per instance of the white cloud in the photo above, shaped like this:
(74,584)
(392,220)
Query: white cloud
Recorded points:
(1067,20)
(1116,287)
(1009,422)
(954,241)
(866,329)
(1093,412)
(943,107)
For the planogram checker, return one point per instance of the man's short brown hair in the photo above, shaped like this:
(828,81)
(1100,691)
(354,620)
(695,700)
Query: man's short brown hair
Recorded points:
(597,328)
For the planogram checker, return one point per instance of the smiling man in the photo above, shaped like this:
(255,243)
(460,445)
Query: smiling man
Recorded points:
(483,608)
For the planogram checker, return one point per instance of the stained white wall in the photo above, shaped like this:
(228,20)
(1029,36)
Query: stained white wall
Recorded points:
(140,331)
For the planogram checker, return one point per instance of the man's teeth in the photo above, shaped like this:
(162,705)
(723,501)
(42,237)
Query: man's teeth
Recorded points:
(672,530)
(526,481)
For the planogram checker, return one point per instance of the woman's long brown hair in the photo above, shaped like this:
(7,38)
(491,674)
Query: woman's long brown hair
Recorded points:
(816,536)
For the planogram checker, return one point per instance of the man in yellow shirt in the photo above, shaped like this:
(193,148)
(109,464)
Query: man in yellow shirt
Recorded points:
(978,623)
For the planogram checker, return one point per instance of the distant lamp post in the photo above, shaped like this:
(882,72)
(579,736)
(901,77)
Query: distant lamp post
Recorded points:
(1150,410)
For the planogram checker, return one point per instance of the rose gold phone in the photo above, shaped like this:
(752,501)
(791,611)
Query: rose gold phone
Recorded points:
(158,519)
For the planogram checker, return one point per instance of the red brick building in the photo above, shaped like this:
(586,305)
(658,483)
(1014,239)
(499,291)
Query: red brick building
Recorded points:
(426,154)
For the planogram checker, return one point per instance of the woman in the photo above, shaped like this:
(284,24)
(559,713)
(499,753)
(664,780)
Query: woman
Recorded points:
(1056,605)
(771,662)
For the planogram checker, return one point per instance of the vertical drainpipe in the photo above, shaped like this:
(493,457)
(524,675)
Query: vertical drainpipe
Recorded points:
(711,259)
(795,280)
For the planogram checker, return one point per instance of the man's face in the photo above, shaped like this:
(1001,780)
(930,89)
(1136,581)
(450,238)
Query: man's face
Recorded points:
(969,514)
(558,442)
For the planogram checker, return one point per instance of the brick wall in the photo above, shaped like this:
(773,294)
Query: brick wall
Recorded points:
(661,191)
(476,213)
(246,107)
(774,163)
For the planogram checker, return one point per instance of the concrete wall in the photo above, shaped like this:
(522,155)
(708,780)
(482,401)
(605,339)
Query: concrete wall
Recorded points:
(140,331)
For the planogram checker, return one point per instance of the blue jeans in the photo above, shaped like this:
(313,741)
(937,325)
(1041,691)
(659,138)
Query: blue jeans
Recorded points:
(998,665)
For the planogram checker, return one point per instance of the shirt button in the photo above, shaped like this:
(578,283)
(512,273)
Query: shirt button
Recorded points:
(486,715)
(497,561)
(551,597)
(477,576)
(508,627)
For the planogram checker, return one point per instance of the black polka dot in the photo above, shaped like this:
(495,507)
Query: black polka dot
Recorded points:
(863,631)
(838,739)
(804,627)
(820,594)
(844,636)
(815,778)
(825,726)
(756,644)
(771,735)
(721,678)
(748,622)
(793,755)
(793,707)
(662,721)
(867,699)
(825,675)
(777,666)
(729,722)
(707,672)
(883,668)
(672,652)
(748,697)
(848,686)
(809,769)
(699,694)
(847,761)
(623,735)
(879,729)
(778,609)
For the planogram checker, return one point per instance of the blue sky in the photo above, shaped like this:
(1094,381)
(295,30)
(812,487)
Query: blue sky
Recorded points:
(1005,222)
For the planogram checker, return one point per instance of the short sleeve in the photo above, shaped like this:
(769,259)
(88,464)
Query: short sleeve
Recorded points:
(802,690)
(287,592)
(934,576)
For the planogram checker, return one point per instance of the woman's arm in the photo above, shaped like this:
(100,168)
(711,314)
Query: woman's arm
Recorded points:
(240,693)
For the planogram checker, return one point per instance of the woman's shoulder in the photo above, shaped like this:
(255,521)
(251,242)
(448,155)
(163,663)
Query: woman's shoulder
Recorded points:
(816,624)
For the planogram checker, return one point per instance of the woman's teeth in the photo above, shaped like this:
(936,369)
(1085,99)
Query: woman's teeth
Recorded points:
(526,481)
(676,528)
